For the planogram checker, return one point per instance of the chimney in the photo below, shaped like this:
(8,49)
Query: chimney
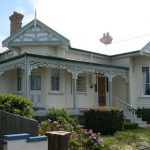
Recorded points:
(106,39)
(15,22)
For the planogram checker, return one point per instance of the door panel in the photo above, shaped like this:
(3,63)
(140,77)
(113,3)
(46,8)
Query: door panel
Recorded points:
(102,90)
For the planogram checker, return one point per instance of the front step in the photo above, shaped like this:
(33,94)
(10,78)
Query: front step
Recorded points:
(134,118)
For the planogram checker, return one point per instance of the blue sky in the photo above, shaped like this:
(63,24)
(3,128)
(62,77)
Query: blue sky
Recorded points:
(83,22)
(6,9)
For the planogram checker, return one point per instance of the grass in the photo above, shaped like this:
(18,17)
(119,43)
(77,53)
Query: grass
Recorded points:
(128,140)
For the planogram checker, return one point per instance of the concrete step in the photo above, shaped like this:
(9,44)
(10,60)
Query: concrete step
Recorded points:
(133,118)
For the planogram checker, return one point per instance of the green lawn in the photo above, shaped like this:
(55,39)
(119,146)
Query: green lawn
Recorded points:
(138,139)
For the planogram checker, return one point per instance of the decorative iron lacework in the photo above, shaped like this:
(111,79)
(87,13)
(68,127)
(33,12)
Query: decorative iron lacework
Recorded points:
(11,65)
(74,69)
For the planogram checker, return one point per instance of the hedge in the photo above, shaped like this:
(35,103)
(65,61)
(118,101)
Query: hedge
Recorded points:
(130,125)
(106,120)
(144,113)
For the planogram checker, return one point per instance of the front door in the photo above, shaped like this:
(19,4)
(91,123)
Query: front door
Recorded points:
(102,90)
(36,89)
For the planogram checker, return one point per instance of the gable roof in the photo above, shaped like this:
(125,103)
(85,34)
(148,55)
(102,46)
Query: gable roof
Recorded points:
(49,36)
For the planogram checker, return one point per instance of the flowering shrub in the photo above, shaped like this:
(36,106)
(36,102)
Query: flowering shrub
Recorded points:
(61,115)
(80,139)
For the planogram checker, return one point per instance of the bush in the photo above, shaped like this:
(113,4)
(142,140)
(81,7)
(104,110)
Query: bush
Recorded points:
(106,120)
(16,105)
(62,115)
(144,113)
(130,125)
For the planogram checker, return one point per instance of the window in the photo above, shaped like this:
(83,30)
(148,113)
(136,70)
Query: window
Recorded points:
(55,79)
(146,80)
(81,84)
(19,80)
(35,81)
(19,84)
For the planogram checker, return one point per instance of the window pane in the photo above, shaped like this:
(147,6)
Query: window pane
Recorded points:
(146,89)
(19,84)
(35,82)
(55,83)
(81,84)
(55,79)
(146,80)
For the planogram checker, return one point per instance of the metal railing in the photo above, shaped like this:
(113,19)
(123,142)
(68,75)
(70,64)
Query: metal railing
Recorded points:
(125,106)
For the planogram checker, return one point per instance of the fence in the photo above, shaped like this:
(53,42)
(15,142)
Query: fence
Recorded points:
(14,124)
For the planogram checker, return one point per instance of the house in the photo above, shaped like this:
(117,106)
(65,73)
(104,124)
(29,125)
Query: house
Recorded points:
(41,65)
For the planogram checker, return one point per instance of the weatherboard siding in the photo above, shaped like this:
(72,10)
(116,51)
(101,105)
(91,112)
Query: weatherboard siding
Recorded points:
(64,98)
(136,94)
(7,82)
(87,56)
(119,89)
(46,51)
(120,62)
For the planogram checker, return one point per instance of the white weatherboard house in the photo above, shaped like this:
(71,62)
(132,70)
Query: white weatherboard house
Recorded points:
(41,65)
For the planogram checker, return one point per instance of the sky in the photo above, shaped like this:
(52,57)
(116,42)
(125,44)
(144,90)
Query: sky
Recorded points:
(83,22)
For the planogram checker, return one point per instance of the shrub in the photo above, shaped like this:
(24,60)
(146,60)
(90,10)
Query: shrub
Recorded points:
(144,113)
(106,120)
(16,105)
(62,115)
(130,125)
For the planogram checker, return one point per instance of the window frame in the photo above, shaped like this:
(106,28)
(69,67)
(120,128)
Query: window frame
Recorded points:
(144,84)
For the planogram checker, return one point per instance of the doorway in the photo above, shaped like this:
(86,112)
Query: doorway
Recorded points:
(102,89)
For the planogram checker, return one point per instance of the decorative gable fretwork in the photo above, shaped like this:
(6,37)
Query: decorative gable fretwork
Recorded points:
(36,34)
(146,49)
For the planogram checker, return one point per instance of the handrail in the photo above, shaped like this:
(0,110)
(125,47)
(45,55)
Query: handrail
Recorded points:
(131,108)
(117,99)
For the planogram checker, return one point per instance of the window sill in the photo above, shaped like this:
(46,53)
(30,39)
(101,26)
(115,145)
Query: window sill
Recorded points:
(81,93)
(55,93)
(19,92)
(146,97)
